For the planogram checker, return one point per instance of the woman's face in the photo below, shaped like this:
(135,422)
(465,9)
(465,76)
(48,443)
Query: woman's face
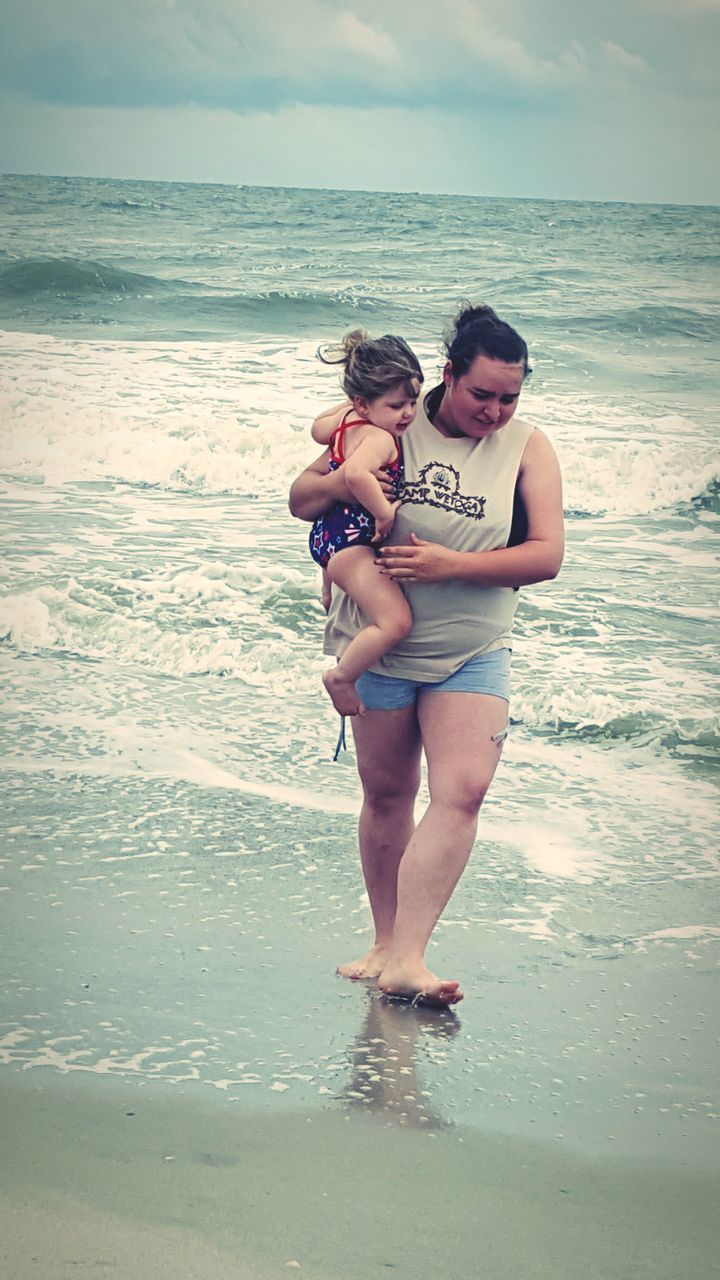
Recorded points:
(480,401)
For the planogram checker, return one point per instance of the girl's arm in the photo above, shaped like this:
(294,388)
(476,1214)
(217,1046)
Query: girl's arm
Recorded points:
(327,423)
(375,449)
(535,560)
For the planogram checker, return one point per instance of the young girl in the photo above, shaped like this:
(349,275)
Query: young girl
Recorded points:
(382,379)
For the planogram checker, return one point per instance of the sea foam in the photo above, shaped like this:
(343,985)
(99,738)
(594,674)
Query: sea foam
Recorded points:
(233,418)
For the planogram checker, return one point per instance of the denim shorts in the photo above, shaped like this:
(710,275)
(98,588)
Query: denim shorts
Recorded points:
(488,673)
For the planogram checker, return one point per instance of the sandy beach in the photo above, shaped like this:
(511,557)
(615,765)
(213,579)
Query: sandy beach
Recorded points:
(114,1178)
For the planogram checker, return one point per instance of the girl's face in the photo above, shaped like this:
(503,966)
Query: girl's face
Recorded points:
(480,401)
(393,411)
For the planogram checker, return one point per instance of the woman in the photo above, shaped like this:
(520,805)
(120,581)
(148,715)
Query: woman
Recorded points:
(444,691)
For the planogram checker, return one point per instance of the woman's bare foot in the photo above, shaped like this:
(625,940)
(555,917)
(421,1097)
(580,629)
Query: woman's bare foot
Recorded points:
(345,697)
(414,982)
(368,966)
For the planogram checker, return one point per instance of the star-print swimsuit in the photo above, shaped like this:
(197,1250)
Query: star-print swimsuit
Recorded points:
(347,524)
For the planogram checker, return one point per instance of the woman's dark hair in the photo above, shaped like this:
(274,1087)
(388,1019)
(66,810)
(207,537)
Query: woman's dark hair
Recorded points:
(373,365)
(478,331)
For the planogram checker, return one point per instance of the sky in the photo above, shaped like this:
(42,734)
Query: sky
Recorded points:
(566,99)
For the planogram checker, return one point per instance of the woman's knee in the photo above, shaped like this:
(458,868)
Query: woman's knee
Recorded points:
(462,792)
(388,757)
(385,792)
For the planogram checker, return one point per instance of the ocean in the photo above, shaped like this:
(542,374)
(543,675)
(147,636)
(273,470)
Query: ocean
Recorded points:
(178,870)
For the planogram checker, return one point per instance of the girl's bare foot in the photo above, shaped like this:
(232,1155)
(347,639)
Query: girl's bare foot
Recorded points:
(368,966)
(413,981)
(345,697)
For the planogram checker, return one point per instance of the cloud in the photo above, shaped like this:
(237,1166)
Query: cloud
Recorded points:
(475,33)
(238,55)
(362,40)
(229,53)
(493,77)
(631,64)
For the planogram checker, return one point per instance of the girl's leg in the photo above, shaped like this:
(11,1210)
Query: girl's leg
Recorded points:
(325,591)
(388,757)
(460,733)
(354,570)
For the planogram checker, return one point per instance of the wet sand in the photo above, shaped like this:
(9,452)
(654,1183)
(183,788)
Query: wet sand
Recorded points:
(101,1177)
(187,1088)
(63,1239)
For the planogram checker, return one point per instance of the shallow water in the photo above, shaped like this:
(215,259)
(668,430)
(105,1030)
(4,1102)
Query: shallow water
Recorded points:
(196,939)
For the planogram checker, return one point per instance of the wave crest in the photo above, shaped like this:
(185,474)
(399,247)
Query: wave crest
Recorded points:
(72,277)
(603,719)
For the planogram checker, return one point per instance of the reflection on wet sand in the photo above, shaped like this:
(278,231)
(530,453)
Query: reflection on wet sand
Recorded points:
(384,1076)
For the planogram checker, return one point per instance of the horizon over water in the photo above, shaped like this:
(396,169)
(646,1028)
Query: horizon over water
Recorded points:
(178,872)
(323,190)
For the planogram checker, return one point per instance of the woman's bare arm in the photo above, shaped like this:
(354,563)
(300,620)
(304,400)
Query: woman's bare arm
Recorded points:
(316,489)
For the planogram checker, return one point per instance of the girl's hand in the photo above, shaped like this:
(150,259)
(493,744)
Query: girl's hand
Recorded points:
(384,526)
(420,562)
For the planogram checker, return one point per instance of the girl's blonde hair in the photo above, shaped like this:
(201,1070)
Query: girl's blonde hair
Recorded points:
(373,365)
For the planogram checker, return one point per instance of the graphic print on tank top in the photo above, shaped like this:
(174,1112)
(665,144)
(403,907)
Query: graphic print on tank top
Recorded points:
(438,485)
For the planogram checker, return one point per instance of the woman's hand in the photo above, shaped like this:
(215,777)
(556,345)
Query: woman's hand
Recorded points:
(420,562)
(387,485)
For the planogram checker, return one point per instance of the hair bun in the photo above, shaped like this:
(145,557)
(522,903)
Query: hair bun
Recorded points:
(354,339)
(479,331)
(343,351)
(468,314)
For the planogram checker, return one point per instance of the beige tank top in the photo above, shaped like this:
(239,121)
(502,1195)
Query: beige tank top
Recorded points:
(458,492)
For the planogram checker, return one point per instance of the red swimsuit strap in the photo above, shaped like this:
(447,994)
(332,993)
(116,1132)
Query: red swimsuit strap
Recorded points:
(336,439)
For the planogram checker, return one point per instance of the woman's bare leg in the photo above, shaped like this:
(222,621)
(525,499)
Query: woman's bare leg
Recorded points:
(381,600)
(459,735)
(388,755)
